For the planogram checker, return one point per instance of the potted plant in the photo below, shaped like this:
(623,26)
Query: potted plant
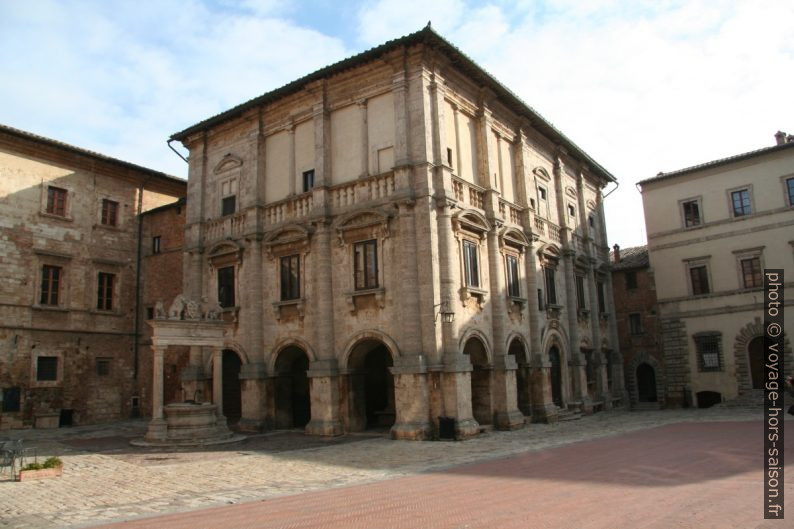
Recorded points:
(51,468)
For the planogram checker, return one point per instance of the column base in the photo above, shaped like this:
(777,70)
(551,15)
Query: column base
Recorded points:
(157,431)
(466,429)
(326,428)
(512,420)
(412,431)
(251,425)
(546,413)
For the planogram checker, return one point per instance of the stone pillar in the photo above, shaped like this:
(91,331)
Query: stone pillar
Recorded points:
(362,106)
(252,382)
(507,416)
(217,383)
(157,426)
(290,129)
(193,378)
(324,394)
(412,406)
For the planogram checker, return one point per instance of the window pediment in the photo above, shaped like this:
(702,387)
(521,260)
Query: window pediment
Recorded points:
(513,238)
(228,163)
(367,224)
(288,240)
(541,173)
(472,222)
(549,255)
(225,253)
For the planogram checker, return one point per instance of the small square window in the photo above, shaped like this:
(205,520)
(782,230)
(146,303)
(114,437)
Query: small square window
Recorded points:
(691,213)
(47,368)
(308,180)
(449,156)
(571,211)
(156,244)
(110,211)
(103,367)
(56,201)
(741,203)
(228,205)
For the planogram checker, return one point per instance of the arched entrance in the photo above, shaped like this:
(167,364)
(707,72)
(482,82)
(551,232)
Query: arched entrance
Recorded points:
(480,381)
(522,376)
(646,383)
(370,386)
(755,352)
(291,388)
(556,375)
(232,400)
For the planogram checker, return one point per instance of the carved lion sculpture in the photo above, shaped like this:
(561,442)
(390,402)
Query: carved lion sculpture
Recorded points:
(159,310)
(175,311)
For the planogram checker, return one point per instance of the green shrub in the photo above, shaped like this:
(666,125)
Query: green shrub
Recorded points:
(53,462)
(33,466)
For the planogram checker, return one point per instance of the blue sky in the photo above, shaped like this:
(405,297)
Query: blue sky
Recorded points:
(642,87)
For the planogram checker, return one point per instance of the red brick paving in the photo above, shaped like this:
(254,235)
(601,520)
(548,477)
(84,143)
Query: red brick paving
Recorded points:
(688,475)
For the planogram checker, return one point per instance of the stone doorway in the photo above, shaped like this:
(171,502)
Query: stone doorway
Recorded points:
(755,352)
(518,350)
(646,383)
(293,404)
(232,395)
(370,387)
(556,375)
(480,381)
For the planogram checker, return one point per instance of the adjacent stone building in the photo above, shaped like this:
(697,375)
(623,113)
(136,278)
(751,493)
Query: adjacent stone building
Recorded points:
(712,230)
(69,241)
(636,312)
(393,239)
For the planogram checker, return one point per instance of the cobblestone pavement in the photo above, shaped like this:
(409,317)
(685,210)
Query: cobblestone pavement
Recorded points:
(106,480)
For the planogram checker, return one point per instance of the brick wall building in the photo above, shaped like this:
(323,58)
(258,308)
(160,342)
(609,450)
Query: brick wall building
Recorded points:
(634,292)
(69,228)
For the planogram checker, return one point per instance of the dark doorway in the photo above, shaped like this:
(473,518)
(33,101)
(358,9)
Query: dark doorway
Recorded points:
(293,404)
(370,387)
(646,383)
(707,399)
(556,375)
(755,351)
(232,401)
(480,381)
(522,376)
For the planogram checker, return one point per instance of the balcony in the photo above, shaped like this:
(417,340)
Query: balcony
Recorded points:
(228,227)
(468,193)
(373,188)
(292,208)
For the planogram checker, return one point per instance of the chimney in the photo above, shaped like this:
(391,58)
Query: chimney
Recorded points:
(616,249)
(780,137)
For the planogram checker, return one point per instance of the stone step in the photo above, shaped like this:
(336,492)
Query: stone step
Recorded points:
(568,415)
(646,406)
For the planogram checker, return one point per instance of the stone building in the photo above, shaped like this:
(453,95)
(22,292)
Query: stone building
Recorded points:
(712,230)
(636,310)
(69,234)
(393,239)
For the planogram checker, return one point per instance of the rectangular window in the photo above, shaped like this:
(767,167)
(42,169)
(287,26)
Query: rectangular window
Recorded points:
(103,367)
(699,277)
(308,180)
(751,272)
(571,211)
(580,300)
(631,280)
(542,192)
(471,264)
(635,323)
(56,201)
(551,287)
(226,286)
(228,205)
(47,368)
(449,157)
(541,305)
(50,284)
(365,259)
(513,285)
(591,220)
(105,291)
(156,244)
(691,213)
(790,191)
(708,346)
(290,277)
(741,202)
(602,305)
(10,399)
(110,211)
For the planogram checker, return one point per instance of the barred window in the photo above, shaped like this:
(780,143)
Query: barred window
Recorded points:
(47,368)
(709,351)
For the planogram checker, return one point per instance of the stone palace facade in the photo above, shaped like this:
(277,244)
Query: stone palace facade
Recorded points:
(397,238)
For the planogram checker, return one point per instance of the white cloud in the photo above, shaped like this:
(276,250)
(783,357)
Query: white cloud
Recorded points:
(389,19)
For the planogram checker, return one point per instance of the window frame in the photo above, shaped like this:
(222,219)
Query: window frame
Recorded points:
(550,285)
(371,270)
(109,216)
(581,299)
(601,295)
(746,255)
(748,188)
(156,245)
(697,264)
(788,189)
(48,278)
(51,206)
(226,194)
(223,300)
(635,324)
(106,371)
(106,285)
(630,284)
(470,252)
(512,276)
(698,201)
(290,290)
(710,339)
(307,180)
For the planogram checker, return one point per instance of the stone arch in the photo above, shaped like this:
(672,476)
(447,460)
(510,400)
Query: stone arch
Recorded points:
(291,385)
(229,345)
(631,376)
(517,346)
(292,341)
(470,220)
(741,352)
(476,350)
(555,338)
(228,163)
(476,333)
(370,334)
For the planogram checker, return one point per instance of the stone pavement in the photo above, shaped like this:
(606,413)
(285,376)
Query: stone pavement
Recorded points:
(106,480)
